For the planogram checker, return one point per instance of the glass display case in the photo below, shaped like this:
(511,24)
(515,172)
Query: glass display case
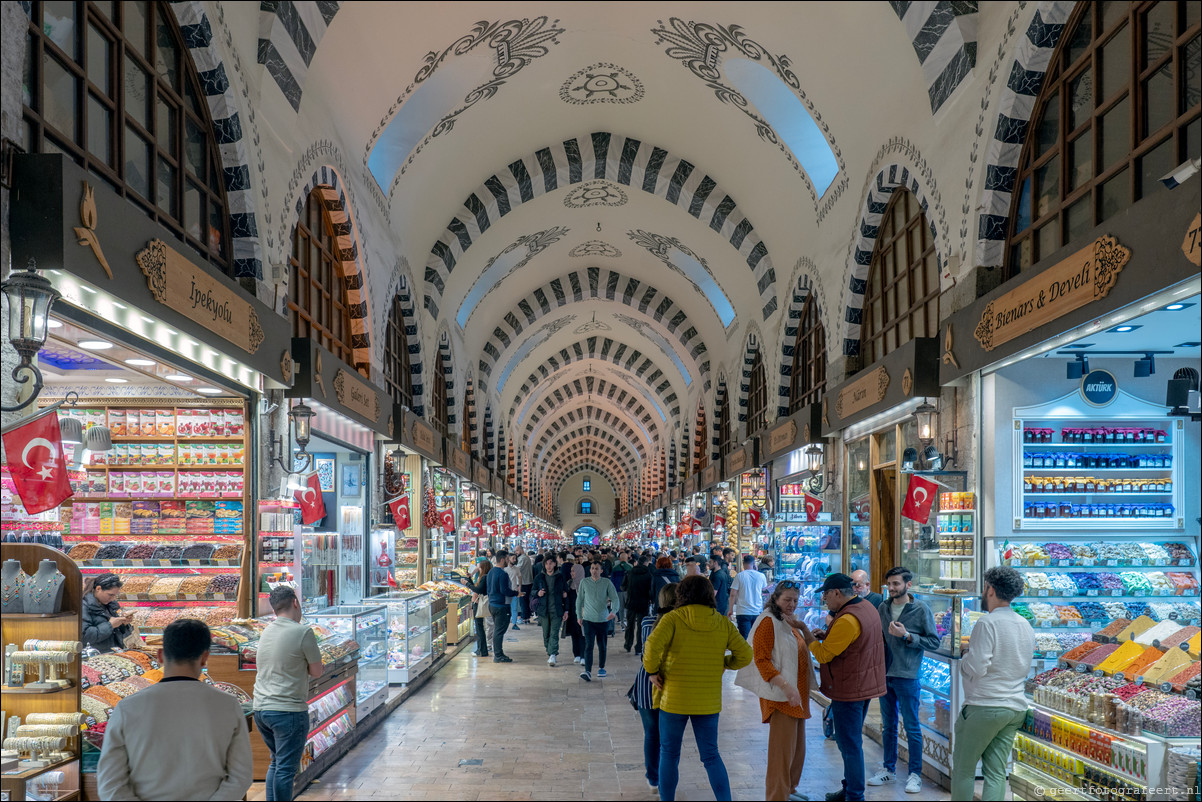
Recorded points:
(410,644)
(319,569)
(444,550)
(366,624)
(725,506)
(350,554)
(859,507)
(941,551)
(753,506)
(383,556)
(940,686)
(807,552)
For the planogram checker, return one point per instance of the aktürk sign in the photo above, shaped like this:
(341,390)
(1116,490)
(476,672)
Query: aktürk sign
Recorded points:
(1087,275)
(1099,388)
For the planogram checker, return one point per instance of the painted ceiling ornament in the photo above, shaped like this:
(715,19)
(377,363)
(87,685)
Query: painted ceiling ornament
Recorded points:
(517,42)
(700,46)
(595,193)
(593,325)
(534,244)
(661,247)
(601,83)
(595,247)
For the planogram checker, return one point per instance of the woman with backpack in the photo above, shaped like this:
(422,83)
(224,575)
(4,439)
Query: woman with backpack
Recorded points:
(641,693)
(780,676)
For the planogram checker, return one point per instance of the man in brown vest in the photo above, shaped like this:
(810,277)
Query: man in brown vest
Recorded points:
(851,658)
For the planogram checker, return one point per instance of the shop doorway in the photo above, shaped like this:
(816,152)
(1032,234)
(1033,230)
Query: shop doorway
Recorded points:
(334,561)
(884,522)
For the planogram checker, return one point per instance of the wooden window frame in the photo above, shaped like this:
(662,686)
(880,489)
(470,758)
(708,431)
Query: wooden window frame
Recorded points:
(807,382)
(1045,231)
(317,299)
(725,435)
(895,259)
(439,417)
(757,395)
(397,371)
(168,148)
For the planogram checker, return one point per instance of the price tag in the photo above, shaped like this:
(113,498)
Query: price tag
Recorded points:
(1184,561)
(1091,592)
(1075,623)
(1160,561)
(84,684)
(1119,676)
(1110,563)
(1192,695)
(1096,624)
(1139,680)
(139,670)
(1172,617)
(1116,591)
(1097,672)
(1043,593)
(1039,563)
(90,721)
(1088,562)
(1166,687)
(1082,668)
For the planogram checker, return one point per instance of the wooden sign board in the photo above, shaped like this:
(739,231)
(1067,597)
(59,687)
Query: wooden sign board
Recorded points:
(862,393)
(1086,276)
(424,438)
(356,394)
(459,461)
(781,437)
(736,462)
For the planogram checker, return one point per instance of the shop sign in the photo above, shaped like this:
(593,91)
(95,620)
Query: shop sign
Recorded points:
(862,393)
(424,437)
(354,393)
(481,474)
(1192,246)
(176,282)
(1099,388)
(459,461)
(736,462)
(1086,276)
(781,437)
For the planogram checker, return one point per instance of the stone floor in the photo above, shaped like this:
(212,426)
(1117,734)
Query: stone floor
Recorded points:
(523,730)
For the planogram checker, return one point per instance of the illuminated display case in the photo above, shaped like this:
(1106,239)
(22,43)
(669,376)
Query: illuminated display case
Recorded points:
(367,625)
(410,639)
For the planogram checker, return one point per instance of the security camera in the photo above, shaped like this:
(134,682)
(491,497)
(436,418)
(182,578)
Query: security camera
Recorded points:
(1182,173)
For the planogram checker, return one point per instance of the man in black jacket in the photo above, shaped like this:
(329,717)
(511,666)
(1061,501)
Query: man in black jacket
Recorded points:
(637,584)
(550,596)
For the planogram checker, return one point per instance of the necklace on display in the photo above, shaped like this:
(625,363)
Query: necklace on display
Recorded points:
(13,590)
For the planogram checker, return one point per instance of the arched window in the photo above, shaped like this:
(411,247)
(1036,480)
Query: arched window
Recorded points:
(586,506)
(511,472)
(901,301)
(1119,109)
(725,435)
(112,86)
(701,454)
(316,286)
(807,382)
(438,397)
(469,414)
(396,357)
(757,395)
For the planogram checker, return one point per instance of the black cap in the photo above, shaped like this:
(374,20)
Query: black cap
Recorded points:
(836,582)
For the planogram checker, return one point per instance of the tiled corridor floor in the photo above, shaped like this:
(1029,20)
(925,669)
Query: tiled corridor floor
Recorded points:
(523,730)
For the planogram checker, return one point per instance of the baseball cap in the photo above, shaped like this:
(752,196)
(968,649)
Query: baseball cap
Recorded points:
(836,582)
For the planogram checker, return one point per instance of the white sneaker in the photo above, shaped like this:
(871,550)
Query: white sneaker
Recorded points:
(578,660)
(881,777)
(551,660)
(914,784)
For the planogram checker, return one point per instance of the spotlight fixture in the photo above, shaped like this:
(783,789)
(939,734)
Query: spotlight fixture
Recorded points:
(1126,327)
(1145,367)
(909,459)
(1078,367)
(933,458)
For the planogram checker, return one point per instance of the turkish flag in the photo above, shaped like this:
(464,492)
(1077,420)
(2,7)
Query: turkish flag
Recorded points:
(813,507)
(400,510)
(40,478)
(312,506)
(920,496)
(473,526)
(447,518)
(754,515)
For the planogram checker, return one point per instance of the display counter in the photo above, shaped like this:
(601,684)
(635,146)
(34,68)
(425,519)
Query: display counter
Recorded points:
(410,640)
(366,624)
(940,683)
(807,552)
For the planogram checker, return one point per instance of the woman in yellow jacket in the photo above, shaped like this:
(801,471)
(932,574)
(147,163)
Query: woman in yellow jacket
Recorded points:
(685,657)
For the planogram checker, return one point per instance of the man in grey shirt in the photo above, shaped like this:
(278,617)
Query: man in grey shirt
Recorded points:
(287,657)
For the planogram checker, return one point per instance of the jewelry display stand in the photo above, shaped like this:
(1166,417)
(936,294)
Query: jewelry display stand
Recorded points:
(14,580)
(46,635)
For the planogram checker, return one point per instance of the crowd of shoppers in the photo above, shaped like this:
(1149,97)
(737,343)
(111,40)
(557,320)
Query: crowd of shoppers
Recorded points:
(691,618)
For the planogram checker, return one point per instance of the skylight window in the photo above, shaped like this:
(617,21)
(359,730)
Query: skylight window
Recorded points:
(697,273)
(788,116)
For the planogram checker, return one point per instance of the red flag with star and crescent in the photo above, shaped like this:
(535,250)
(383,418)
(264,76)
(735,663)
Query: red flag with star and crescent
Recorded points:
(447,518)
(813,507)
(312,506)
(920,496)
(400,511)
(37,464)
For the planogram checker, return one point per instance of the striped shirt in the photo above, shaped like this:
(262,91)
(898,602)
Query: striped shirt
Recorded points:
(641,695)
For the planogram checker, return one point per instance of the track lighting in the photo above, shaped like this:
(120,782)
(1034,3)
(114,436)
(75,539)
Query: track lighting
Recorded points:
(1145,367)
(1078,367)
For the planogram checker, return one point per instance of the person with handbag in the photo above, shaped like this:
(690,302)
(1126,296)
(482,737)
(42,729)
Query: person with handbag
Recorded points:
(780,676)
(642,695)
(481,613)
(549,596)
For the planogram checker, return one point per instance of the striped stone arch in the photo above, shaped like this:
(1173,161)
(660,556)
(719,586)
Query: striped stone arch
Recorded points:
(720,397)
(326,182)
(880,190)
(698,426)
(245,247)
(564,459)
(1016,104)
(403,293)
(581,434)
(672,467)
(624,356)
(470,417)
(489,441)
(601,155)
(944,36)
(610,425)
(581,468)
(448,372)
(561,397)
(288,37)
(750,347)
(622,391)
(589,284)
(801,293)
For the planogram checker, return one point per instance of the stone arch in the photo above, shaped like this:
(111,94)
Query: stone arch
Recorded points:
(448,372)
(567,401)
(403,293)
(609,425)
(944,36)
(620,397)
(751,346)
(594,283)
(721,396)
(1016,104)
(289,34)
(600,155)
(489,441)
(582,433)
(470,416)
(245,246)
(802,289)
(880,189)
(326,181)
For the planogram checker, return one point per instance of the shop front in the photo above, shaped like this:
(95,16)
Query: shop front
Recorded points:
(745,493)
(1089,455)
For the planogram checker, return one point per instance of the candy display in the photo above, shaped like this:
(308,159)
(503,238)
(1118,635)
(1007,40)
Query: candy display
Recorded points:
(83,551)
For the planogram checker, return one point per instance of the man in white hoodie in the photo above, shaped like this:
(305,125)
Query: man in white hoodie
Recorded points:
(147,754)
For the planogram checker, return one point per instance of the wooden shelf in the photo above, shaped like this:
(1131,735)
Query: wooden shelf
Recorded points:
(7,689)
(40,616)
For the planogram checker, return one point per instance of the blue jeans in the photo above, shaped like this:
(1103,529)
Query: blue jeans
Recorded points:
(594,632)
(285,734)
(901,693)
(849,735)
(651,744)
(515,609)
(744,623)
(705,732)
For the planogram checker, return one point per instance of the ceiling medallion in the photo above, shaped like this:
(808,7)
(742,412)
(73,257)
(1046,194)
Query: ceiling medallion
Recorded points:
(595,193)
(595,247)
(593,325)
(601,83)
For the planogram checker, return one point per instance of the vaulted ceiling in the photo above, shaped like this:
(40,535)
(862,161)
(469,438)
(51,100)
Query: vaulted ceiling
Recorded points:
(592,204)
